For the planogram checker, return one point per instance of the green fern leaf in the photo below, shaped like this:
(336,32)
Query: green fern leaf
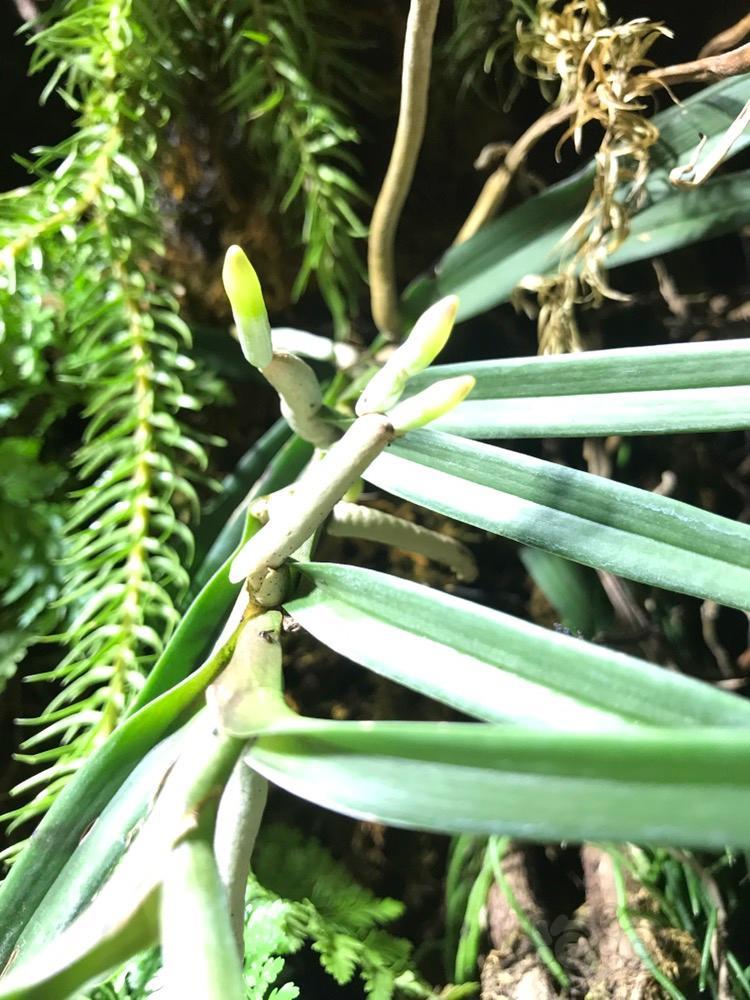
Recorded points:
(293,96)
(80,277)
(325,907)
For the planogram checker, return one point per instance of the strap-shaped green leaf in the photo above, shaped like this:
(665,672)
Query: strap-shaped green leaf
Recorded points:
(199,950)
(119,922)
(86,796)
(645,390)
(494,666)
(592,520)
(207,611)
(528,239)
(679,411)
(97,854)
(664,367)
(64,974)
(679,217)
(689,787)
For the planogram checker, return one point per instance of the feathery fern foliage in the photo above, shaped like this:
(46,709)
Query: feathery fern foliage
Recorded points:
(90,321)
(296,881)
(480,47)
(32,528)
(289,94)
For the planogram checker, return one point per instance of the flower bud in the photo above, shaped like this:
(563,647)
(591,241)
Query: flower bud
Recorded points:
(426,340)
(433,402)
(248,308)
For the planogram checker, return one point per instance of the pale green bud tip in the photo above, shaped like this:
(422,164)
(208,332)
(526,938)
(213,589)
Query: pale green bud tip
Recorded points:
(248,308)
(431,403)
(383,390)
(241,284)
(429,336)
(426,340)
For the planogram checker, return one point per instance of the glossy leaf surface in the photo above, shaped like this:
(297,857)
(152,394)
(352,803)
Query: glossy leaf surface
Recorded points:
(494,666)
(586,518)
(689,787)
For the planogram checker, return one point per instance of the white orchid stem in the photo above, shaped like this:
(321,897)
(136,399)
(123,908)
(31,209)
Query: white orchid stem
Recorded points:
(300,514)
(301,398)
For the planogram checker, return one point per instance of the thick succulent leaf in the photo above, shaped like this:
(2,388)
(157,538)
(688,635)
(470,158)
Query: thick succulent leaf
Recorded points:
(120,919)
(201,622)
(682,217)
(642,390)
(65,967)
(689,787)
(84,799)
(100,850)
(494,666)
(168,695)
(199,950)
(680,411)
(484,270)
(712,363)
(197,630)
(589,519)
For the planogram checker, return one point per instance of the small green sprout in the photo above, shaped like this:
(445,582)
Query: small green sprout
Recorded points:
(421,347)
(248,308)
(433,402)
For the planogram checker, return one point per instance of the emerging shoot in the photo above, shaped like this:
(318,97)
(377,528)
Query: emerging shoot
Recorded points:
(426,340)
(248,308)
(431,403)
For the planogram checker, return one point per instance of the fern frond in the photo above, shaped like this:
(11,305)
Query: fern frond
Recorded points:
(74,190)
(322,905)
(32,531)
(36,232)
(290,92)
(124,592)
(481,45)
(84,242)
(298,896)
